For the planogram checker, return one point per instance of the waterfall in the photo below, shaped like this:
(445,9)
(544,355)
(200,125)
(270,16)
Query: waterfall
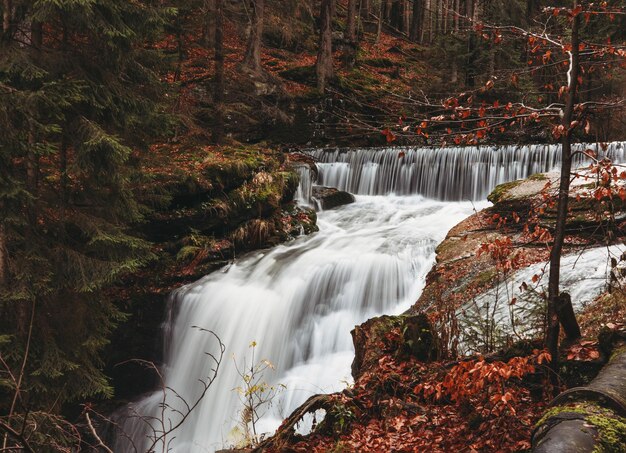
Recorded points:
(304,193)
(449,174)
(299,301)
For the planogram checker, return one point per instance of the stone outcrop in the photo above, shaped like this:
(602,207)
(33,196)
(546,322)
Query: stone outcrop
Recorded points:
(404,336)
(518,207)
(330,198)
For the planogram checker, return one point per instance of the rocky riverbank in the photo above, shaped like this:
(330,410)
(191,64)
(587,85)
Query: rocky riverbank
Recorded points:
(412,392)
(208,207)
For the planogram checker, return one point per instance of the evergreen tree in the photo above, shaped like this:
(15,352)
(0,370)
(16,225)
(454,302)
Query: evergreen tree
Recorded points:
(78,89)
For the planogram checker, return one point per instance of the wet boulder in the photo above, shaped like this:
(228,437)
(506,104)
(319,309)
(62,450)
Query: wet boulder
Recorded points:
(399,336)
(330,198)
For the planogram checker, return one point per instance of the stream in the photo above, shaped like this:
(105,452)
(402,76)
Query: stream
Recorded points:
(299,301)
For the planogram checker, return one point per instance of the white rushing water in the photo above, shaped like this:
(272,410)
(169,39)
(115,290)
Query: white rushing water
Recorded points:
(299,301)
(457,173)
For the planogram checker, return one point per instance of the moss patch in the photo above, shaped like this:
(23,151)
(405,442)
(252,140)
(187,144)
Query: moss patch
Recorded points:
(538,177)
(612,431)
(501,192)
(610,426)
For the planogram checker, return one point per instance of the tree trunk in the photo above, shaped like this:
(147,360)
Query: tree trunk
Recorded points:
(351,22)
(470,72)
(7,6)
(208,23)
(407,16)
(379,28)
(351,33)
(396,20)
(552,334)
(416,20)
(388,6)
(3,256)
(531,10)
(252,58)
(431,18)
(364,9)
(324,66)
(218,92)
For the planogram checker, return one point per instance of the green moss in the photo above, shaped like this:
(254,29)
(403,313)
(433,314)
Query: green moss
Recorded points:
(501,192)
(612,432)
(611,427)
(578,408)
(359,82)
(538,177)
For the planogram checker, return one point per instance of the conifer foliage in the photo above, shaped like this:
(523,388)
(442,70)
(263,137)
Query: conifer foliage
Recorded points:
(76,83)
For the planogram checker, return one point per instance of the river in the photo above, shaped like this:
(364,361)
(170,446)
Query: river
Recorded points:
(299,301)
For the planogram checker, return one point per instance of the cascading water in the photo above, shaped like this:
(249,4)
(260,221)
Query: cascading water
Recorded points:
(449,174)
(299,301)
(304,193)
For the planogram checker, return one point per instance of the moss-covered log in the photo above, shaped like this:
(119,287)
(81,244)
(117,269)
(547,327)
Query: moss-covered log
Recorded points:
(590,418)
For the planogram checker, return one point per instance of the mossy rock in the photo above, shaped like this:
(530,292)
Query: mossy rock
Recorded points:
(501,192)
(400,336)
(538,177)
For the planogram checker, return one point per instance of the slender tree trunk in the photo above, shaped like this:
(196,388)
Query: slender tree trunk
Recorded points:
(208,23)
(407,16)
(552,334)
(218,92)
(396,18)
(252,58)
(438,18)
(324,66)
(379,28)
(7,6)
(351,21)
(388,6)
(416,20)
(351,33)
(180,47)
(470,72)
(32,158)
(531,10)
(3,255)
(364,14)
